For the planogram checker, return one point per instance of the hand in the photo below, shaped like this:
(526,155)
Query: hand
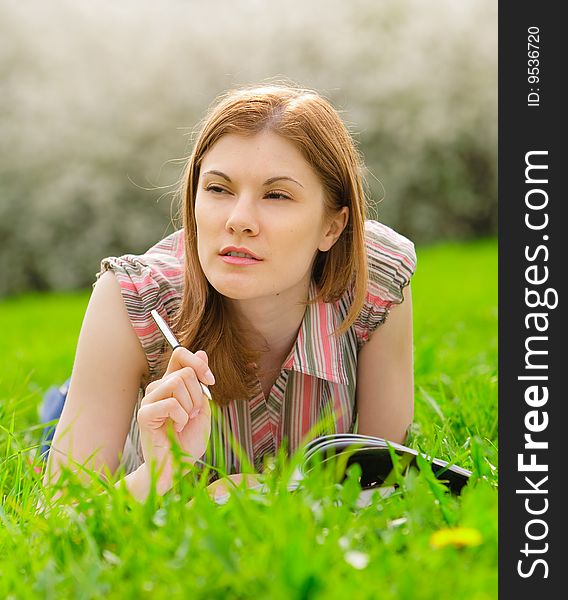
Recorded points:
(220,487)
(170,402)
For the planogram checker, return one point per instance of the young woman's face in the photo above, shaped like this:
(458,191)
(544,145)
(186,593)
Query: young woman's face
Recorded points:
(258,193)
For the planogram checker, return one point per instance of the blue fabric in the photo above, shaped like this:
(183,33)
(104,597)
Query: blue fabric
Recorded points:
(51,408)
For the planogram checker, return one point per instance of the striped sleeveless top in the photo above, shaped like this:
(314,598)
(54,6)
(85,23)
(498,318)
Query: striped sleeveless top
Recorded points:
(317,380)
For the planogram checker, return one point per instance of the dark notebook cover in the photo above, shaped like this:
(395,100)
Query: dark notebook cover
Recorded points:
(373,455)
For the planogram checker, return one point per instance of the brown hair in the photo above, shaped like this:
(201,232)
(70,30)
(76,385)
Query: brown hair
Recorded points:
(204,320)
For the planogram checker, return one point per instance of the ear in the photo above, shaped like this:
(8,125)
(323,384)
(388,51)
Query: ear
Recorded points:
(333,229)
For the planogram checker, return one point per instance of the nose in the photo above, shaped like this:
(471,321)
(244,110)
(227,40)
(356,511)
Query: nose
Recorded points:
(242,218)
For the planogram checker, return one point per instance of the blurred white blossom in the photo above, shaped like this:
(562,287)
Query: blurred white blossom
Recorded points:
(97,100)
(358,560)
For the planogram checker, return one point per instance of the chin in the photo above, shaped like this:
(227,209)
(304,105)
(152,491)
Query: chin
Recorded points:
(233,290)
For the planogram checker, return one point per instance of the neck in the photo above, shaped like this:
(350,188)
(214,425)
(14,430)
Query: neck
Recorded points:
(276,320)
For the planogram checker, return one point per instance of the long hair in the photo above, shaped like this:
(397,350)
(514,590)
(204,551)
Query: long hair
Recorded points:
(204,320)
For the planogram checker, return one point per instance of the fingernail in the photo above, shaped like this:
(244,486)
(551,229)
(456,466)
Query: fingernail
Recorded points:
(210,377)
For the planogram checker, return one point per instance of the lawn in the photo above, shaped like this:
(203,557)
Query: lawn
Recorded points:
(418,543)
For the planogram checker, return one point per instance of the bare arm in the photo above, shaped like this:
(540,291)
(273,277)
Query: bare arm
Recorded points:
(385,380)
(109,366)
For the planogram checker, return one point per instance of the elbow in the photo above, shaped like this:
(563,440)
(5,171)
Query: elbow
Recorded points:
(405,436)
(397,433)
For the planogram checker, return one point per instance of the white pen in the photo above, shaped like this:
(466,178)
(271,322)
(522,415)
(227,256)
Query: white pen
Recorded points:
(172,341)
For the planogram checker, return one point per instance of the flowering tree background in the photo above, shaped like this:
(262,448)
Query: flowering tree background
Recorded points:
(98,102)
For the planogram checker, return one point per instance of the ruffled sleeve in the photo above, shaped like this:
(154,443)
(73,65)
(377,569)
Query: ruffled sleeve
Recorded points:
(153,280)
(392,261)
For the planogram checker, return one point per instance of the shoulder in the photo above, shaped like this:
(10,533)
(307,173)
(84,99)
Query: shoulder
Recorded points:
(164,259)
(150,281)
(157,272)
(391,256)
(392,260)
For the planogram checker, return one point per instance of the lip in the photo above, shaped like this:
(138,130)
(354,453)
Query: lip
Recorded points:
(239,260)
(235,249)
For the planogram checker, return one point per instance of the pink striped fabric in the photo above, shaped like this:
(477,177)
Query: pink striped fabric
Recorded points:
(318,377)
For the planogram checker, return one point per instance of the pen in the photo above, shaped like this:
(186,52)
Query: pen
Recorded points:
(172,341)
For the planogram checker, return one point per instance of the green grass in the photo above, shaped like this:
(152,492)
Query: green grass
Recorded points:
(315,543)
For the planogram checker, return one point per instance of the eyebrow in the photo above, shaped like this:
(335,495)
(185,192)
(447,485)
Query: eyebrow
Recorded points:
(267,182)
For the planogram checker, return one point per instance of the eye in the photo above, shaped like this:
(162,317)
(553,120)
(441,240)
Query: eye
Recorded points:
(275,195)
(216,189)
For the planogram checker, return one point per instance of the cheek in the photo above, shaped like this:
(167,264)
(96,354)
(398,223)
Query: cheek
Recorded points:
(205,218)
(200,214)
(298,245)
(202,223)
(308,236)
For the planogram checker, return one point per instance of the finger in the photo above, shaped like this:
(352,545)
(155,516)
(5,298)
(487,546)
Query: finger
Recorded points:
(182,384)
(152,386)
(192,392)
(191,396)
(193,386)
(174,385)
(203,355)
(182,357)
(181,389)
(153,416)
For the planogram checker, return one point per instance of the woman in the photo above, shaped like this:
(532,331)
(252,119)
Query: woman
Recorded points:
(279,291)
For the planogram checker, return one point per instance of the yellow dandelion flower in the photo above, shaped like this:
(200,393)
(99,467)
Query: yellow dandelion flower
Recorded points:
(460,537)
